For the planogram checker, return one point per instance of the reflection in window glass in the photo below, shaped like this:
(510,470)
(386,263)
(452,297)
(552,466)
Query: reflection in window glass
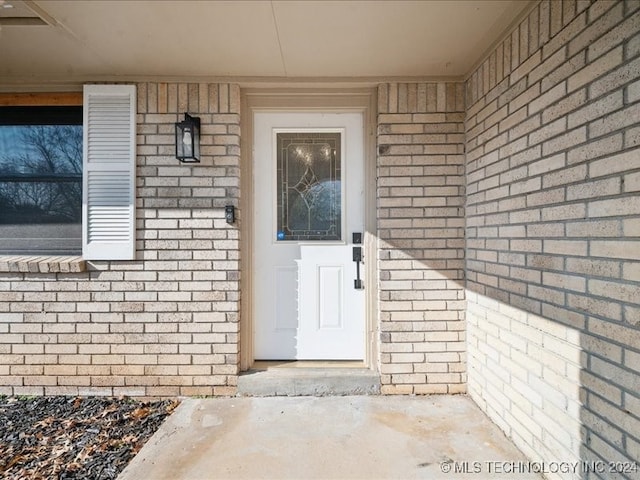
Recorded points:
(308,184)
(40,180)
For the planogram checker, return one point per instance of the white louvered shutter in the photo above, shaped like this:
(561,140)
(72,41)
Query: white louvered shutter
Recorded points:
(109,166)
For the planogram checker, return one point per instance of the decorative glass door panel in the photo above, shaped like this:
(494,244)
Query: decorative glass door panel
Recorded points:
(309,203)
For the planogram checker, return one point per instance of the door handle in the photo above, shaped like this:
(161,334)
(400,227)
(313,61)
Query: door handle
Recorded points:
(357,257)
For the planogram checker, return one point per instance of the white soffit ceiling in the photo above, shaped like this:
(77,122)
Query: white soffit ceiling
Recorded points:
(96,39)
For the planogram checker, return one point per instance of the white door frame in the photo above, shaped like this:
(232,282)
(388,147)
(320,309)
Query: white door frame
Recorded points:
(329,100)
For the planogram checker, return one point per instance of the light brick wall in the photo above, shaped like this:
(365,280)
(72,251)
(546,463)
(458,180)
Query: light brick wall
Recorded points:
(421,237)
(553,232)
(167,323)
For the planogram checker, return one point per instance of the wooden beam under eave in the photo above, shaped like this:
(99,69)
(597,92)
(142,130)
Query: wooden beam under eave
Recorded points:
(40,99)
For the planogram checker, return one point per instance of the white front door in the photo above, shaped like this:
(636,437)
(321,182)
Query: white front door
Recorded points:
(308,186)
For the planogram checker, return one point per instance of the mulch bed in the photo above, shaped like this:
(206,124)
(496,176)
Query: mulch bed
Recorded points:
(74,437)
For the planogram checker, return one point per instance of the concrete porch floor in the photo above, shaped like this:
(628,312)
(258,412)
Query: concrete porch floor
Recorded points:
(347,437)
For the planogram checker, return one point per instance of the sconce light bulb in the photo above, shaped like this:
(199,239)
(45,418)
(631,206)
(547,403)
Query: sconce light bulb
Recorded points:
(186,137)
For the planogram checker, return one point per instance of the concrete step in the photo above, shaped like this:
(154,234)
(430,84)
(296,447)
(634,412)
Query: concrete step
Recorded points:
(308,381)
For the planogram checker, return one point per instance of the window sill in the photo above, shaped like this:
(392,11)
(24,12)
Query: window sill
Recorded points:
(42,264)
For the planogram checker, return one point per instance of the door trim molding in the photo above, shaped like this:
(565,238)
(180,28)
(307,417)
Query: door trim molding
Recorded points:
(291,100)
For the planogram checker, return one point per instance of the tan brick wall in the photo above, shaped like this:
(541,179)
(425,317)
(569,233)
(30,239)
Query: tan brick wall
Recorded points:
(421,237)
(167,323)
(552,137)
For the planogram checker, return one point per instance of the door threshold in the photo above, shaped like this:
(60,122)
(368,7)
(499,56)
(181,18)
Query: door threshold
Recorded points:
(308,378)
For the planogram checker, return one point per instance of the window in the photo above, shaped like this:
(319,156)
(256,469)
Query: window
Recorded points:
(308,183)
(41,180)
(67,175)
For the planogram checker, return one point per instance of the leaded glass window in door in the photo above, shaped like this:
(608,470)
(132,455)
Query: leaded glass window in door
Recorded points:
(309,205)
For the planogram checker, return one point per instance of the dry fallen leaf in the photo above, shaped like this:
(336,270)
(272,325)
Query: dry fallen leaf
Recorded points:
(15,460)
(140,412)
(109,409)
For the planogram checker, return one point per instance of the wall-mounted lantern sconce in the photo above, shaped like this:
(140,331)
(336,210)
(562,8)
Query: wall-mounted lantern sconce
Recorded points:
(188,139)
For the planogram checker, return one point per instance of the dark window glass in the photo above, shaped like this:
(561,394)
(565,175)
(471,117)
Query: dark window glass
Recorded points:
(40,180)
